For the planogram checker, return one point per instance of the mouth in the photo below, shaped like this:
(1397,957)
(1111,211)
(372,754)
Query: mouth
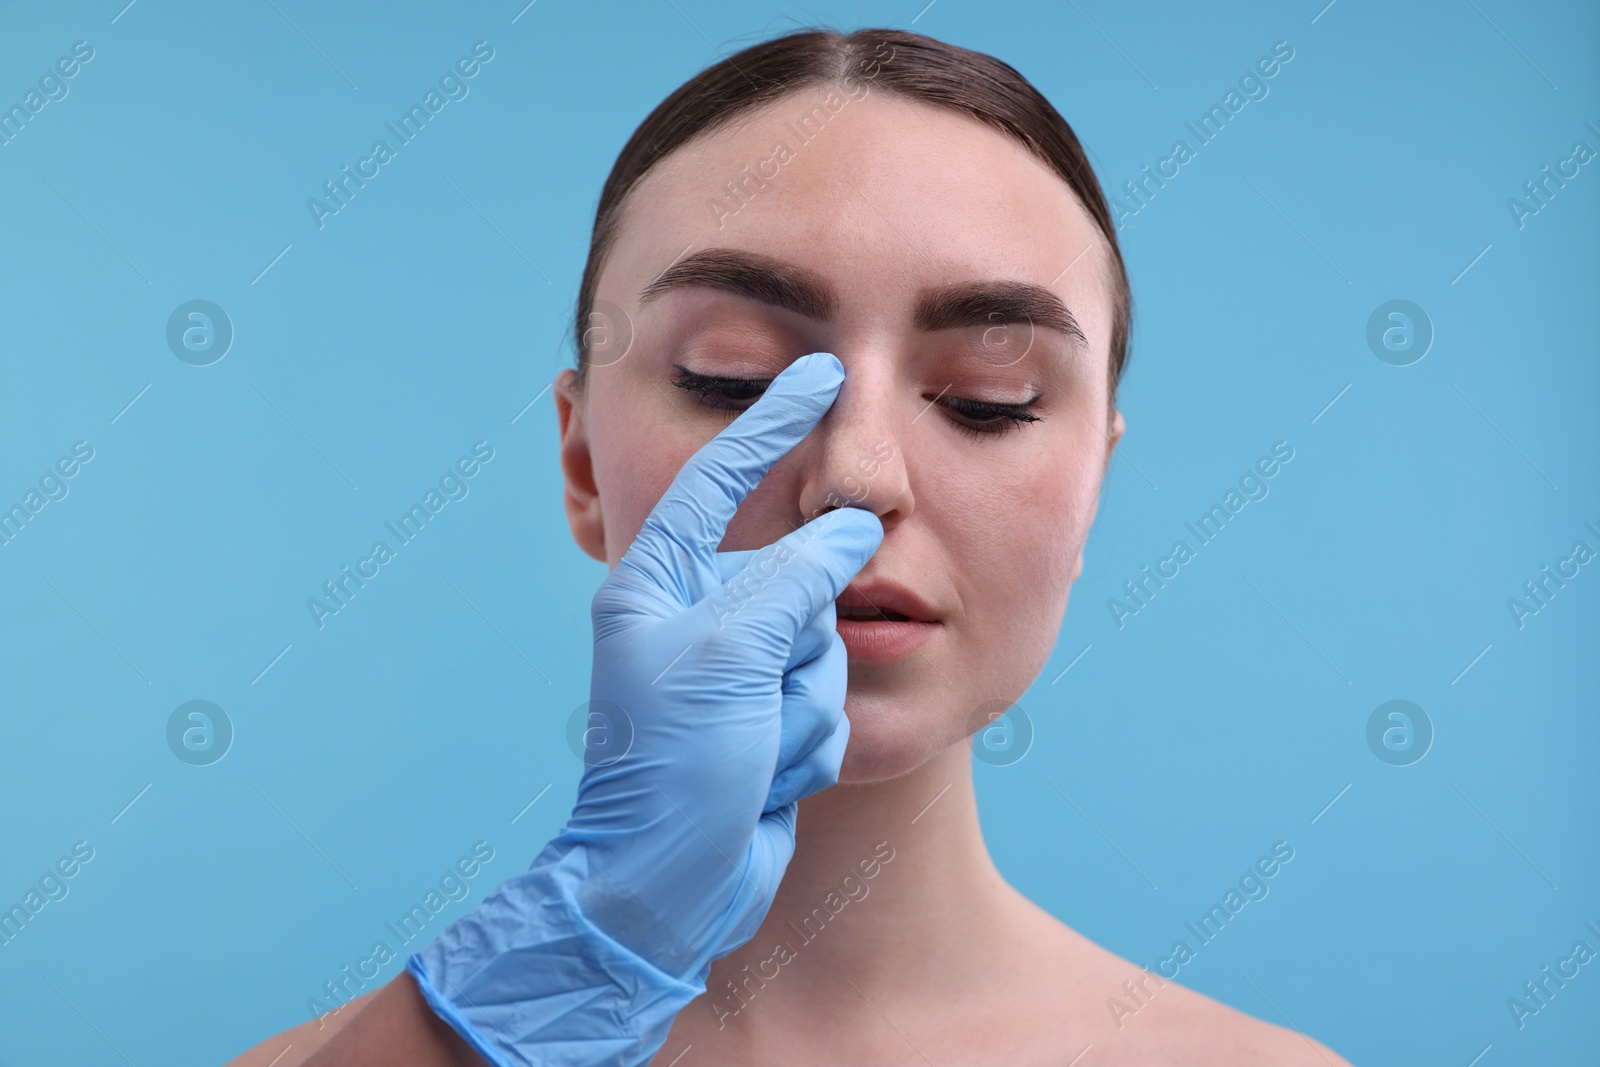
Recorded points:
(883,620)
(869,613)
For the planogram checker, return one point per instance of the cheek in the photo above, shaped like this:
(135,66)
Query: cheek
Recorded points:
(1016,536)
(637,447)
(1063,506)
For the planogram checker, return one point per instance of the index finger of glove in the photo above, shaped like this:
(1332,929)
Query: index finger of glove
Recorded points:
(674,549)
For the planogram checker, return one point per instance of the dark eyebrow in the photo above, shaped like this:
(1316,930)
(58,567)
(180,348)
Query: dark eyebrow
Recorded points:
(996,304)
(750,275)
(771,281)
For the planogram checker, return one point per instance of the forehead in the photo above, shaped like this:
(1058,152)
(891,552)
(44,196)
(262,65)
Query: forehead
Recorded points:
(880,194)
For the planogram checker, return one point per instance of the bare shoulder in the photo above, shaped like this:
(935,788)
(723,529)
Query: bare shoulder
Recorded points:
(1113,1012)
(1176,1025)
(296,1044)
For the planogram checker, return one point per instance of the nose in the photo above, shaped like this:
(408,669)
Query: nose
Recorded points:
(854,456)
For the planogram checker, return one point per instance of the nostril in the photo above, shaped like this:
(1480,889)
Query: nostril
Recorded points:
(856,466)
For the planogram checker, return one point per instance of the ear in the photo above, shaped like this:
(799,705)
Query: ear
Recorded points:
(1115,435)
(581,495)
(1112,437)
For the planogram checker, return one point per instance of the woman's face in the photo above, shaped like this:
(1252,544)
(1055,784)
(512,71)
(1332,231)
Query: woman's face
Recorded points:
(943,265)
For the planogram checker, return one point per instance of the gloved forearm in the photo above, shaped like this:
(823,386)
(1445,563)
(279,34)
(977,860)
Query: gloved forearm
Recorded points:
(582,998)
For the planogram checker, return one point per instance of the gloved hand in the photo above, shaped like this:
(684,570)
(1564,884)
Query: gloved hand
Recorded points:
(728,672)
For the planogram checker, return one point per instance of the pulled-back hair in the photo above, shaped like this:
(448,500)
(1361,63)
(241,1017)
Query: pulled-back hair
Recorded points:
(918,68)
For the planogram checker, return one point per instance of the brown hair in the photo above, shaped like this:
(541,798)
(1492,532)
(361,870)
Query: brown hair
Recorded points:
(919,68)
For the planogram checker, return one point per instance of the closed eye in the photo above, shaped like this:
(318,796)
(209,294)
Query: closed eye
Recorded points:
(985,417)
(975,417)
(714,391)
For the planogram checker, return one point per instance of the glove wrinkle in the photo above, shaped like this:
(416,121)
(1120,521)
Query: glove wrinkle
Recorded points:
(512,976)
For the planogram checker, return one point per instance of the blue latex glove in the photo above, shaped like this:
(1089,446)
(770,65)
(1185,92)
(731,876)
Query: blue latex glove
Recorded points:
(727,671)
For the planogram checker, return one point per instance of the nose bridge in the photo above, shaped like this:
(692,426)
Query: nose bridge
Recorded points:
(858,460)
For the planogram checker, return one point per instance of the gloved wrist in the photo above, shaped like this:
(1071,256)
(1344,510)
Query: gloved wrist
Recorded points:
(528,977)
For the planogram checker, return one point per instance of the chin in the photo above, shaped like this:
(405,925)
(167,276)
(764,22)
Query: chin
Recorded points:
(890,737)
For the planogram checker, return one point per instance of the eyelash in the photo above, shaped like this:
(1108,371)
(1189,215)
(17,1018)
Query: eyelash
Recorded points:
(993,419)
(997,418)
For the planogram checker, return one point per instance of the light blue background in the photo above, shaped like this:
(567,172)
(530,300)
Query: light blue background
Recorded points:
(426,317)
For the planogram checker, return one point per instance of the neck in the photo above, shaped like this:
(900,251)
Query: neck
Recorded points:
(886,878)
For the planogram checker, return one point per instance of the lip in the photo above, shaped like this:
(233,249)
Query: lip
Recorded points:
(884,639)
